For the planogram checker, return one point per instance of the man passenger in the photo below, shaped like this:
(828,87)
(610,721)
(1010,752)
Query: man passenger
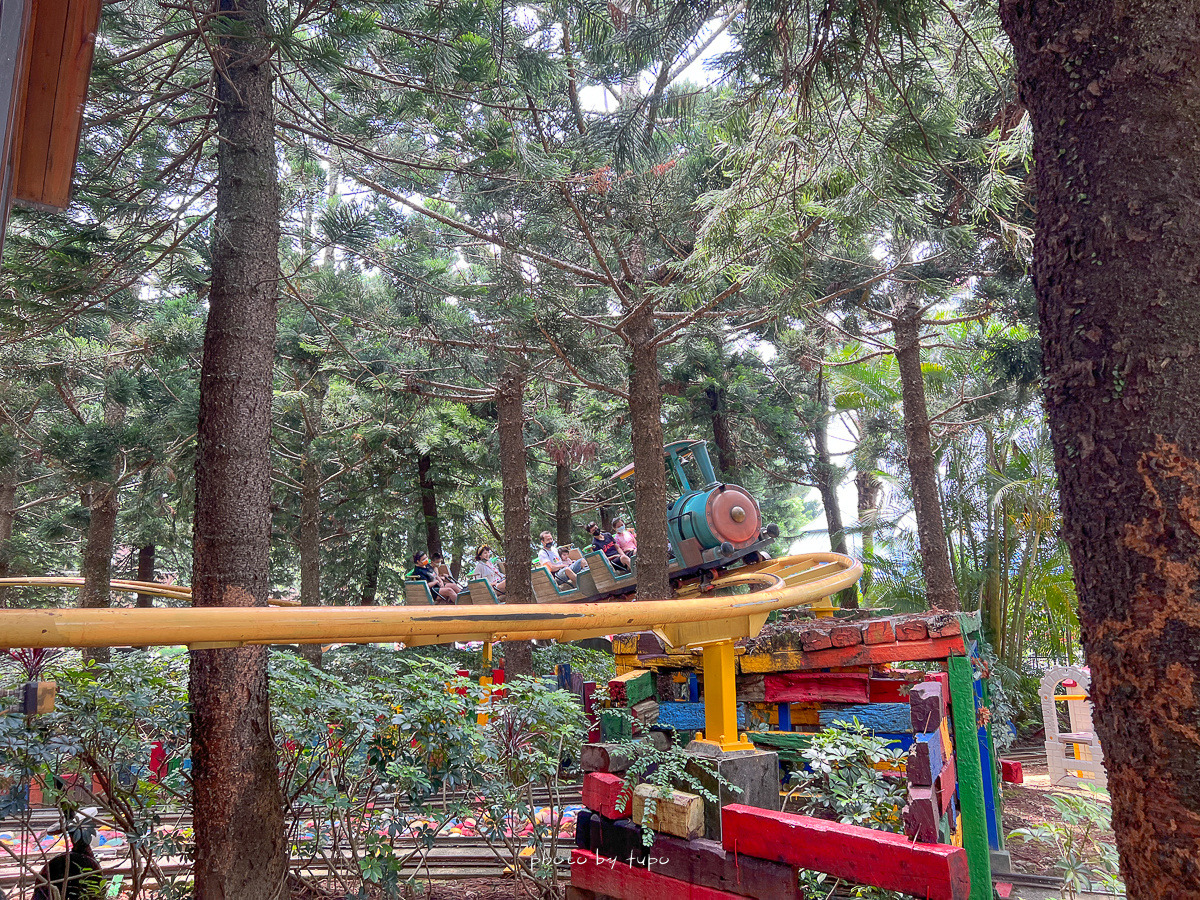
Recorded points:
(548,555)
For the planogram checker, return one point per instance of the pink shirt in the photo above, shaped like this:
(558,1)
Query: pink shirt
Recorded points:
(626,540)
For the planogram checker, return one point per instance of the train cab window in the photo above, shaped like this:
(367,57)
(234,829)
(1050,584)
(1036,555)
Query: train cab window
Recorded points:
(688,474)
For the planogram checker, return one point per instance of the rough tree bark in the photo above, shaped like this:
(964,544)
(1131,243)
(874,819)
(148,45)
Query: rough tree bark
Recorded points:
(103,506)
(723,439)
(8,516)
(868,491)
(374,557)
(145,572)
(562,503)
(1113,89)
(238,805)
(827,474)
(514,478)
(650,480)
(922,467)
(429,510)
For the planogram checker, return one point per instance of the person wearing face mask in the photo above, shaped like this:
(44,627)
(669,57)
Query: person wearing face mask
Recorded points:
(626,538)
(487,569)
(443,591)
(604,542)
(567,573)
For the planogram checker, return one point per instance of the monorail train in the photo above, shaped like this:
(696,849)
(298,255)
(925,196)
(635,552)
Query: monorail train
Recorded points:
(711,525)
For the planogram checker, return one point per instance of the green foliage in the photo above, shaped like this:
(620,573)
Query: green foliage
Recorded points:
(842,779)
(1086,861)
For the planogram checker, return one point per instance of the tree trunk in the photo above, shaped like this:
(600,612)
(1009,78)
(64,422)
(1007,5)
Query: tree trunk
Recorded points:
(1113,91)
(238,805)
(828,477)
(309,544)
(510,401)
(723,438)
(145,572)
(429,511)
(8,516)
(562,504)
(370,586)
(96,565)
(868,489)
(922,467)
(650,481)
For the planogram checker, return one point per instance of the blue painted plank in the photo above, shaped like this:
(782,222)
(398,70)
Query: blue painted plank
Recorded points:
(888,717)
(681,715)
(988,771)
(925,759)
(785,717)
(901,742)
(693,688)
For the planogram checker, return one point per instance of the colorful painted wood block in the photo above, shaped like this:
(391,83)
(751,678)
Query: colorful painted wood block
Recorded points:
(858,655)
(751,688)
(615,725)
(886,717)
(911,630)
(889,690)
(815,639)
(921,816)
(927,705)
(674,812)
(605,793)
(945,785)
(944,680)
(1012,772)
(879,631)
(845,635)
(925,759)
(632,687)
(816,687)
(614,879)
(600,757)
(860,855)
(707,864)
(681,715)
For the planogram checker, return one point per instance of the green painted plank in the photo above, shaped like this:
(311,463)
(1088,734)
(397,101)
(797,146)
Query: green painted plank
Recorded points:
(781,740)
(970,777)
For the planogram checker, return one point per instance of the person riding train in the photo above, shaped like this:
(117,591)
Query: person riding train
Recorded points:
(492,572)
(603,541)
(548,555)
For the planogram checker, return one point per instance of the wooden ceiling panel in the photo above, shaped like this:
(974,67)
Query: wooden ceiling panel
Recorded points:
(63,38)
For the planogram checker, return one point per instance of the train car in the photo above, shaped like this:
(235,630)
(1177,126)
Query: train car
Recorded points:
(711,525)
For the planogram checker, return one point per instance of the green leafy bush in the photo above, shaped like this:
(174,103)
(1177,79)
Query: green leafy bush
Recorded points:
(1086,862)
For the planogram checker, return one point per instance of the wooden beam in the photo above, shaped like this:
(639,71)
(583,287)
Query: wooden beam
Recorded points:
(816,687)
(894,718)
(860,855)
(675,812)
(606,794)
(970,783)
(856,655)
(616,879)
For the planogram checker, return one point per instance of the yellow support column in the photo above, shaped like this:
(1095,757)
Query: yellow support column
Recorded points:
(720,698)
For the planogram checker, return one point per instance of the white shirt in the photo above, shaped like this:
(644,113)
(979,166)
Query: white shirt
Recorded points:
(550,556)
(487,569)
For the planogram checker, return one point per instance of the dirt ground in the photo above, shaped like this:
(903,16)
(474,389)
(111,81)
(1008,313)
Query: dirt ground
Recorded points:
(1029,804)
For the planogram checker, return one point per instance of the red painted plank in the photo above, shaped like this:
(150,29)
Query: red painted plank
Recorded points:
(889,690)
(949,626)
(845,635)
(911,630)
(861,855)
(815,639)
(920,814)
(615,879)
(945,785)
(605,793)
(816,687)
(1011,771)
(942,678)
(873,654)
(879,631)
